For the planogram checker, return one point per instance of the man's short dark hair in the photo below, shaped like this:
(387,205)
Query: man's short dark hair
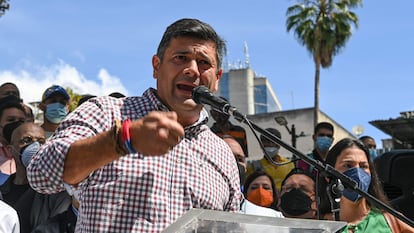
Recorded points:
(10,101)
(363,138)
(324,125)
(299,171)
(192,28)
(11,84)
(273,131)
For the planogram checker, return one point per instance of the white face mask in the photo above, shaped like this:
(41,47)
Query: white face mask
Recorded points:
(272,150)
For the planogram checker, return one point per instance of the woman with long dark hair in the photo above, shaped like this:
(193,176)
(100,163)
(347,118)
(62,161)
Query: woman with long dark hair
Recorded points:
(260,189)
(351,157)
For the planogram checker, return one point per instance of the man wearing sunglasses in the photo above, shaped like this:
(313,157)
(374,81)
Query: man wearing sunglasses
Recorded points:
(25,139)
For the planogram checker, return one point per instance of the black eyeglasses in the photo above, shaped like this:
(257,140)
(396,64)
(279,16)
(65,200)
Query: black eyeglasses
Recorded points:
(29,140)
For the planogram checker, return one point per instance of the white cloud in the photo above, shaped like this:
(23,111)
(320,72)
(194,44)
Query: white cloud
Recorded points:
(110,83)
(32,81)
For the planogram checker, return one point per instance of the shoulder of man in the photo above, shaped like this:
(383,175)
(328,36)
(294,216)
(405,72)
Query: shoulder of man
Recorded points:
(255,165)
(310,154)
(6,186)
(283,158)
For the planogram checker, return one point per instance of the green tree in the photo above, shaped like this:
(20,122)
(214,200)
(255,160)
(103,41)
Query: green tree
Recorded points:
(4,5)
(74,98)
(323,27)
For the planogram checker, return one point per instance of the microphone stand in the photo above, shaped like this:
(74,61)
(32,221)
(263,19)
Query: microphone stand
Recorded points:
(325,169)
(334,190)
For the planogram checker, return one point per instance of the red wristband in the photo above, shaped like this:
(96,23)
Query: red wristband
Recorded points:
(126,137)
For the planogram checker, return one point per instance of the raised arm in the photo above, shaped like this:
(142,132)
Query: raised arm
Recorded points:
(154,134)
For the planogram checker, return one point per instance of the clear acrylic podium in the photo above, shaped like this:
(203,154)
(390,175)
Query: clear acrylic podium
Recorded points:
(210,221)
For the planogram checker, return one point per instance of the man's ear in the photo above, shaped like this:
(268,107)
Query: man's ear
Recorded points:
(218,76)
(156,61)
(10,149)
(42,106)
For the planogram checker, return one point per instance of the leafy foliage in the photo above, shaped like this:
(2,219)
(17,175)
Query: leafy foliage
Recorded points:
(74,98)
(323,27)
(4,5)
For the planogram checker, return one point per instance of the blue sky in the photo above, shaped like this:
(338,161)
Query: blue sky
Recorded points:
(98,47)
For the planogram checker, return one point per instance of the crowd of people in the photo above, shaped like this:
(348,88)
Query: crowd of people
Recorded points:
(136,164)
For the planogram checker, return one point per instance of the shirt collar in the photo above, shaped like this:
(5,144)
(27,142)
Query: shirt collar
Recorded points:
(191,130)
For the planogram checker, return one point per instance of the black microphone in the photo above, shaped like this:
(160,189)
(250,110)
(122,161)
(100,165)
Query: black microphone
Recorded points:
(202,95)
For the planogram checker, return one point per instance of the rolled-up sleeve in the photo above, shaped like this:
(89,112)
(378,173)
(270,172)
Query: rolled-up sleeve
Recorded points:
(45,171)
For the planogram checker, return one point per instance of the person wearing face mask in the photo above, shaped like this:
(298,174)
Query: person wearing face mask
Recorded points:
(55,107)
(277,172)
(246,206)
(297,197)
(351,157)
(260,195)
(25,139)
(11,110)
(370,143)
(323,137)
(21,150)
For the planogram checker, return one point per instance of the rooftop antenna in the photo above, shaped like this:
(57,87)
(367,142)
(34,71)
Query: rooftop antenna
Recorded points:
(246,55)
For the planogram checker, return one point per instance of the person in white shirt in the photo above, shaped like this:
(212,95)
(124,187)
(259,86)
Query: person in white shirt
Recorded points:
(9,221)
(247,207)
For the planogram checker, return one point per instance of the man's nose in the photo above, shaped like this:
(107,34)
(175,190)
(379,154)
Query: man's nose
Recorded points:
(192,69)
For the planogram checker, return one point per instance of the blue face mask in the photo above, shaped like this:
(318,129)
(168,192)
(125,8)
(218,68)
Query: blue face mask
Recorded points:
(373,153)
(363,179)
(56,112)
(323,143)
(28,152)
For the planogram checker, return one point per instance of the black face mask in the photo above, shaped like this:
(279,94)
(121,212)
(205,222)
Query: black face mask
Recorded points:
(295,202)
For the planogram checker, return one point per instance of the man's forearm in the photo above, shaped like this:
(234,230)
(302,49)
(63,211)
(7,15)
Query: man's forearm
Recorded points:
(87,155)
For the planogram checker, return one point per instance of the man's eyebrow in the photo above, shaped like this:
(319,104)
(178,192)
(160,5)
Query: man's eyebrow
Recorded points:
(181,52)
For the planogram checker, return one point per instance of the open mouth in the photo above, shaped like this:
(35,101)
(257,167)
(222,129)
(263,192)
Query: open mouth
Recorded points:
(186,88)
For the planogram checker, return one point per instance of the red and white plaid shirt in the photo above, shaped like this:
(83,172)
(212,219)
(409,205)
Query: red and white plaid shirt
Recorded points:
(138,193)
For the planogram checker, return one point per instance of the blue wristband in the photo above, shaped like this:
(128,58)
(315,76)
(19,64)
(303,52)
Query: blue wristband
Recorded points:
(126,137)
